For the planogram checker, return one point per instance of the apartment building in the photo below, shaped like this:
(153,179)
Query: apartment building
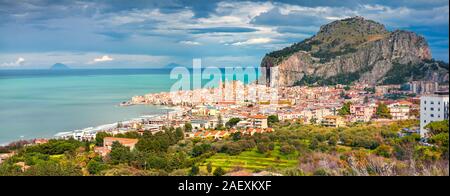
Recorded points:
(433,107)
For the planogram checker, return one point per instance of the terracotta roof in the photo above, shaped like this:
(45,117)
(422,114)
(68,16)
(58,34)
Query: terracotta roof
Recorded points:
(259,116)
(121,140)
(404,102)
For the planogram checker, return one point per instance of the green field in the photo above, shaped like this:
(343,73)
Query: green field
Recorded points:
(253,160)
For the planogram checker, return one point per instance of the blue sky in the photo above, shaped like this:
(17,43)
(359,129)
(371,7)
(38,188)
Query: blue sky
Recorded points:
(138,34)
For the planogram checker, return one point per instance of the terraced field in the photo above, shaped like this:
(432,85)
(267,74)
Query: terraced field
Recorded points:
(253,160)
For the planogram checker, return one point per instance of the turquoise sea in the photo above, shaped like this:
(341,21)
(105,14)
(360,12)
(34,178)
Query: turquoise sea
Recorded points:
(41,103)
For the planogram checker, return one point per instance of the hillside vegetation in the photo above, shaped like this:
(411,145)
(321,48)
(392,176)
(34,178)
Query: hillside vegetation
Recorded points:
(292,149)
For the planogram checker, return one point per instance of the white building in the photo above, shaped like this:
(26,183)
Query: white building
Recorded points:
(432,108)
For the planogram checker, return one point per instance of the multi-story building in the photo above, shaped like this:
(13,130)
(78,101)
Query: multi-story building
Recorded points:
(432,108)
(333,121)
(400,110)
(423,87)
(361,113)
(259,121)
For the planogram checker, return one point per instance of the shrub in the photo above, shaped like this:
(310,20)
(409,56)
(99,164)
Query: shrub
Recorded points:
(219,172)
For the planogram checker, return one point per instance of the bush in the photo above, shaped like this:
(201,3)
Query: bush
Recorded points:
(287,149)
(384,150)
(95,167)
(120,154)
(272,119)
(232,122)
(219,172)
(55,147)
(321,172)
(194,170)
(200,149)
(50,168)
(262,148)
(232,148)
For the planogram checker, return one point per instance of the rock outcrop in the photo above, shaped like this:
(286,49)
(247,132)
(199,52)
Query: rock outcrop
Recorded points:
(351,50)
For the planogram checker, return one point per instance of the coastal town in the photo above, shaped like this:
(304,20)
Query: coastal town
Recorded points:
(209,114)
(308,105)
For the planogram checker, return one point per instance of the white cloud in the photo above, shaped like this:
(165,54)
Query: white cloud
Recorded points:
(404,16)
(104,58)
(84,60)
(190,42)
(273,25)
(19,62)
(253,41)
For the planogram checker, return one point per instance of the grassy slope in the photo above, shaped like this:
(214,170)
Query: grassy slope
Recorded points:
(253,160)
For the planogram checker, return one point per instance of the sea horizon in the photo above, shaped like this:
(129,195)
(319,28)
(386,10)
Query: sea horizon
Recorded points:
(47,99)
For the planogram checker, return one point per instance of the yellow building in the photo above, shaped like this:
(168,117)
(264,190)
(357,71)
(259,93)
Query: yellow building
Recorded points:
(333,121)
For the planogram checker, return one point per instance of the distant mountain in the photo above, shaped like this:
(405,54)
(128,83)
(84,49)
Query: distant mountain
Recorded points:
(59,66)
(355,50)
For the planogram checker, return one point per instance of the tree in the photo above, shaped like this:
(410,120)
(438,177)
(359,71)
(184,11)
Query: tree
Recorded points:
(232,148)
(262,148)
(287,149)
(345,110)
(437,127)
(333,140)
(236,136)
(232,122)
(219,172)
(272,119)
(119,153)
(99,138)
(347,88)
(194,170)
(95,167)
(209,167)
(219,122)
(313,120)
(439,135)
(55,147)
(383,111)
(384,150)
(200,149)
(370,90)
(179,133)
(366,100)
(188,127)
(342,94)
(87,146)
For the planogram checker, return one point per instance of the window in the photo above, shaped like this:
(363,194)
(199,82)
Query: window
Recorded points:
(424,102)
(432,102)
(432,109)
(439,116)
(439,103)
(432,115)
(425,108)
(424,121)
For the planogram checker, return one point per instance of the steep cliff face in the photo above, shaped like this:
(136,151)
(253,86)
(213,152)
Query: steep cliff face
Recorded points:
(349,50)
